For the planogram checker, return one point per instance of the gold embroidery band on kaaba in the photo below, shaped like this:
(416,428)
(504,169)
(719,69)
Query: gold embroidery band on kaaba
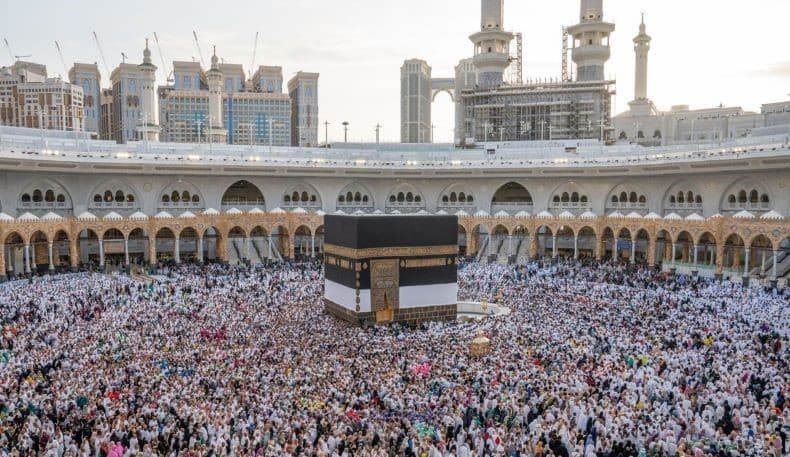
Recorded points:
(424,263)
(400,251)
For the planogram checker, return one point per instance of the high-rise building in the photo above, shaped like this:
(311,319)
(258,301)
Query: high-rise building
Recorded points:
(105,115)
(88,77)
(252,112)
(303,90)
(416,98)
(29,99)
(127,82)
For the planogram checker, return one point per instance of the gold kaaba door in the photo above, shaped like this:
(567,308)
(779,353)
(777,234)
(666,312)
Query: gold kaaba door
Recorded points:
(384,289)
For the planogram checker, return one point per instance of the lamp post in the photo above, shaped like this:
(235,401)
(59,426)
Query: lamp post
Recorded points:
(326,134)
(378,131)
(542,129)
(345,131)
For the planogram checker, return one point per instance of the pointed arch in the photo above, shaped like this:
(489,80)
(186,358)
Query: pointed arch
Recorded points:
(405,198)
(355,196)
(243,195)
(104,197)
(44,195)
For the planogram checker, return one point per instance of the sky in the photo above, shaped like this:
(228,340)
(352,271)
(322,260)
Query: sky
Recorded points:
(704,52)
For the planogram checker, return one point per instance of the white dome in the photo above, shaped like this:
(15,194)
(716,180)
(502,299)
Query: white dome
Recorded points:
(396,212)
(566,215)
(320,213)
(255,210)
(163,215)
(277,210)
(615,214)
(441,212)
(461,213)
(716,216)
(744,215)
(211,212)
(772,215)
(340,212)
(138,216)
(502,214)
(235,211)
(673,217)
(694,217)
(652,215)
(5,217)
(299,211)
(588,215)
(187,215)
(51,217)
(86,216)
(112,216)
(378,212)
(28,217)
(523,214)
(482,213)
(544,215)
(634,215)
(422,212)
(359,212)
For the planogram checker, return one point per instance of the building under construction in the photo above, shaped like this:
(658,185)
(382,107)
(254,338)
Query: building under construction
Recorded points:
(493,103)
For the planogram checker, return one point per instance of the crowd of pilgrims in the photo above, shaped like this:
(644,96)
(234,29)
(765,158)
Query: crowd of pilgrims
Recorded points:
(594,360)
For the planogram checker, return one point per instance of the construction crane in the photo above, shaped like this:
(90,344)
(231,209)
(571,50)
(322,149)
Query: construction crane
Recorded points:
(62,60)
(11,54)
(101,54)
(200,51)
(566,73)
(123,57)
(254,53)
(170,79)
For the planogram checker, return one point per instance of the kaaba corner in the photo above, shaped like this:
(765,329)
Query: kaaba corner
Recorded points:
(391,269)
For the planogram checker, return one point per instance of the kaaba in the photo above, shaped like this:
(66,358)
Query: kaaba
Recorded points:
(387,269)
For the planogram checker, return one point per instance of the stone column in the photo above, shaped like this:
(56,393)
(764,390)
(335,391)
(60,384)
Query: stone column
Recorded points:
(222,249)
(490,242)
(27,258)
(74,254)
(49,253)
(599,248)
(152,251)
(773,270)
(673,253)
(312,246)
(126,251)
(3,276)
(719,260)
(746,263)
(554,246)
(694,246)
(200,249)
(651,253)
(101,253)
(633,251)
(509,245)
(247,252)
(177,251)
(576,247)
(533,246)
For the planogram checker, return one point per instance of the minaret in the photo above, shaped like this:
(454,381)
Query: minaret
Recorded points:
(591,41)
(492,45)
(641,48)
(641,105)
(147,127)
(215,85)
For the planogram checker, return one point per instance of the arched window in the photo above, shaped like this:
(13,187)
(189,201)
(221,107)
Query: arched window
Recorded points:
(632,198)
(37,196)
(417,199)
(287,199)
(698,199)
(614,198)
(732,200)
(195,199)
(96,198)
(470,199)
(690,196)
(341,198)
(584,199)
(623,197)
(108,196)
(453,197)
(556,199)
(681,198)
(185,197)
(49,196)
(313,199)
(175,197)
(754,196)
(623,136)
(365,199)
(657,134)
(295,197)
(409,197)
(565,197)
(130,198)
(165,198)
(765,199)
(61,198)
(445,199)
(401,197)
(26,198)
(392,199)
(672,199)
(357,197)
(642,199)
(305,196)
(742,197)
(349,197)
(119,196)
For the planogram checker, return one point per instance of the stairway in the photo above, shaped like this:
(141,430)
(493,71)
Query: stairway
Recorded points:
(255,255)
(234,255)
(482,252)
